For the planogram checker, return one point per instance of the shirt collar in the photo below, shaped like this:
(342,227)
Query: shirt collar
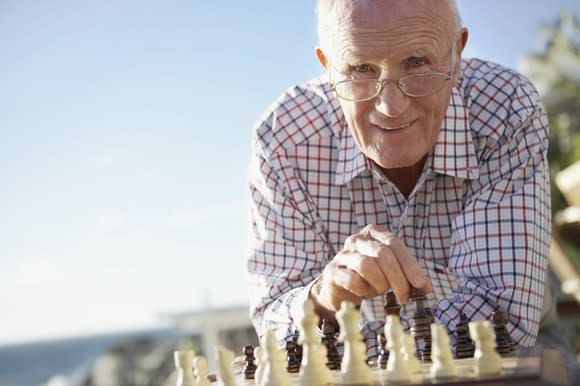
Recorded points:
(453,154)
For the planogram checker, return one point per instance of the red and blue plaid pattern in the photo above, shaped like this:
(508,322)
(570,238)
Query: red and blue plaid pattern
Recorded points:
(478,220)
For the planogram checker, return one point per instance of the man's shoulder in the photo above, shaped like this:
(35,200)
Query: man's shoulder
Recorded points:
(482,74)
(300,112)
(497,97)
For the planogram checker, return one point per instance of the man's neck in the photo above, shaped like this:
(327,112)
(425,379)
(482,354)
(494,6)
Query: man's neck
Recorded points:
(405,178)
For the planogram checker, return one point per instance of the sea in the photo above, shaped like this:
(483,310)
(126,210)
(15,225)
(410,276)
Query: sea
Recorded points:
(62,362)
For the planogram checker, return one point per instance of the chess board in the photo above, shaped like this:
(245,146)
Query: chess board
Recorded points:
(530,366)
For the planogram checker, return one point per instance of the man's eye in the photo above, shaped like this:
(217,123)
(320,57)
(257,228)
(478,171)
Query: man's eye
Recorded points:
(417,62)
(361,68)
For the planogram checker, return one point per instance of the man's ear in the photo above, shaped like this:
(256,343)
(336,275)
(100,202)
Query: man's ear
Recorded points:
(462,40)
(459,45)
(321,57)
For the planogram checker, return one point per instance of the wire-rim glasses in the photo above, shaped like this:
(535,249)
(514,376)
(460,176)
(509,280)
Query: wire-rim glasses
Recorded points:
(413,85)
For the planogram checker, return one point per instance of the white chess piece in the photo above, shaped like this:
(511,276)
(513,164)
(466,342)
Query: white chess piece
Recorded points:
(225,358)
(397,368)
(354,367)
(200,371)
(275,373)
(313,370)
(184,366)
(487,360)
(259,355)
(408,351)
(441,355)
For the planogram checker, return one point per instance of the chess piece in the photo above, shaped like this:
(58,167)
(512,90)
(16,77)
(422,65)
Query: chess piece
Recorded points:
(200,371)
(487,360)
(313,371)
(384,352)
(504,342)
(275,373)
(184,366)
(420,328)
(408,351)
(295,337)
(225,358)
(397,369)
(329,340)
(249,367)
(430,317)
(292,365)
(258,375)
(464,347)
(392,307)
(441,355)
(354,367)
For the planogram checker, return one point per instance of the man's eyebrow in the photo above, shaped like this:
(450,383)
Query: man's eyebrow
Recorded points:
(352,57)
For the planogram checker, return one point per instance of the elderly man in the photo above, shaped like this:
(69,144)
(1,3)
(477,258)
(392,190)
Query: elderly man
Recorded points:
(402,166)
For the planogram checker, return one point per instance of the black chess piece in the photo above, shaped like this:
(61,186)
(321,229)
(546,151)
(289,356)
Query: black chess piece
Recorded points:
(430,317)
(298,347)
(329,340)
(504,342)
(384,352)
(292,364)
(392,307)
(420,327)
(464,347)
(249,366)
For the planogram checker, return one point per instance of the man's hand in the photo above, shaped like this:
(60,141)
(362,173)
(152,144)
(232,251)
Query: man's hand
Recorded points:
(371,262)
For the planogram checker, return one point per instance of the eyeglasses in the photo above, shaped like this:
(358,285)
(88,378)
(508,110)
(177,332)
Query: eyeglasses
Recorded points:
(413,85)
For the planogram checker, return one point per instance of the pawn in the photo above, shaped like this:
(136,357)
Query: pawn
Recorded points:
(420,325)
(313,371)
(430,316)
(383,352)
(295,338)
(292,365)
(225,358)
(200,366)
(464,346)
(249,366)
(184,366)
(487,360)
(274,370)
(260,364)
(408,350)
(392,307)
(441,355)
(329,340)
(397,369)
(504,342)
(354,367)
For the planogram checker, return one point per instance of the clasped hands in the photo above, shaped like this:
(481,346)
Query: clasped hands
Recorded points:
(372,262)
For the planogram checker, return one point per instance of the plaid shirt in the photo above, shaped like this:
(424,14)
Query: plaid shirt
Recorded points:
(478,220)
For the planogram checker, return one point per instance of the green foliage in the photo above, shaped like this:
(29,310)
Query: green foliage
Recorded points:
(556,73)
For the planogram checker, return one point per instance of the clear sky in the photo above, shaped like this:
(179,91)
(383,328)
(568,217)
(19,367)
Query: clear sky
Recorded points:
(125,141)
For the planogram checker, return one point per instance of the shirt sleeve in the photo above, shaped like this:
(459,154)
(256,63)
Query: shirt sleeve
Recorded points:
(288,248)
(500,242)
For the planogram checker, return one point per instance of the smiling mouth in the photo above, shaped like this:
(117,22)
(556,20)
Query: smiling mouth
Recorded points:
(398,127)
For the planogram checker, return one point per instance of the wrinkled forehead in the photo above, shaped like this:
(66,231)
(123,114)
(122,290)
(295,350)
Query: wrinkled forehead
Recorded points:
(367,28)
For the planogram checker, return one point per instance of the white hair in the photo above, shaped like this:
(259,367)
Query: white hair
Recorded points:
(326,8)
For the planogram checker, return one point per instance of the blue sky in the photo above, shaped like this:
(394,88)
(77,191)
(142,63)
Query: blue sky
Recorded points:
(125,140)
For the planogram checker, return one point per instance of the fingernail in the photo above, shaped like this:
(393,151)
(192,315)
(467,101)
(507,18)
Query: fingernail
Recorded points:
(419,281)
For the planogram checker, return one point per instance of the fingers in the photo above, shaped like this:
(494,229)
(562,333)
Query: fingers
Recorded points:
(383,262)
(411,268)
(361,274)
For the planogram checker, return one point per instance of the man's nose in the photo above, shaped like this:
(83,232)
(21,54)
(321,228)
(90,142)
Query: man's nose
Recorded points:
(391,101)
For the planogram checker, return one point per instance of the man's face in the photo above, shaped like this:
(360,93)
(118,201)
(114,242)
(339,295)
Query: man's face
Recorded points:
(390,39)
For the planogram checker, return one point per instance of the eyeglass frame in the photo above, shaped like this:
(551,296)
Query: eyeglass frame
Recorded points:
(381,82)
